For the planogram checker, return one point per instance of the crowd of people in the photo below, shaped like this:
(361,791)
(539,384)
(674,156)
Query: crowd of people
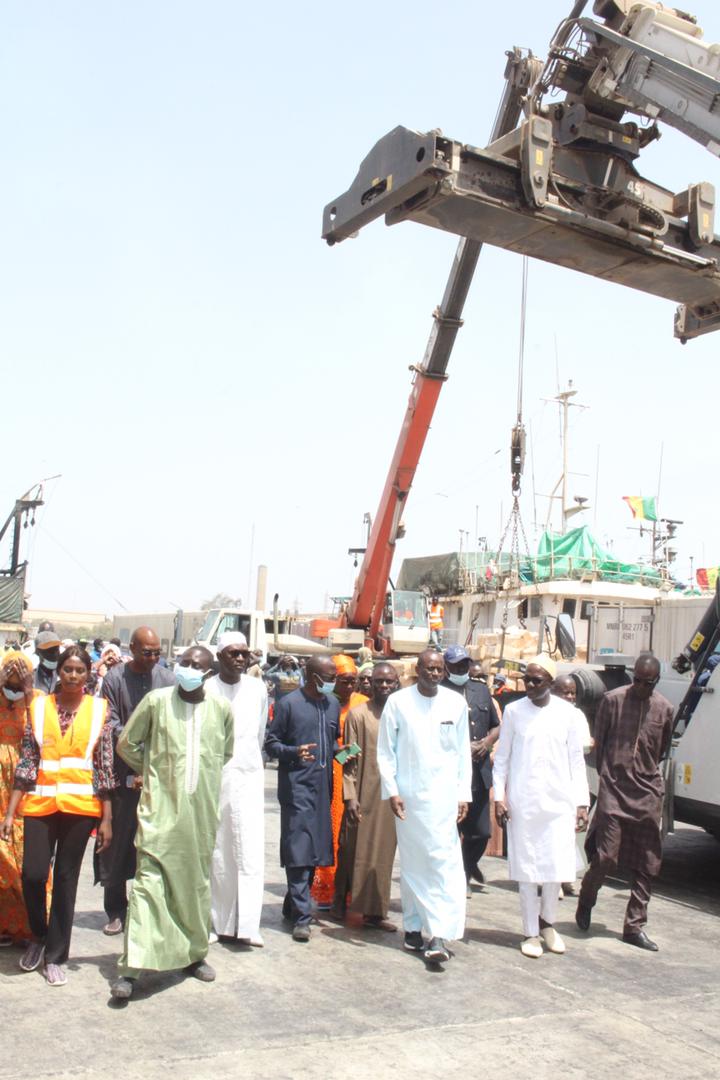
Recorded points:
(165,768)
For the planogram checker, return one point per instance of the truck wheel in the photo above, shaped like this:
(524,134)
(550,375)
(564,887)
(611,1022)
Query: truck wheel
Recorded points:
(590,688)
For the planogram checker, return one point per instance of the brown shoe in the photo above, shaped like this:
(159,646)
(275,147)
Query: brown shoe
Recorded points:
(376,922)
(114,927)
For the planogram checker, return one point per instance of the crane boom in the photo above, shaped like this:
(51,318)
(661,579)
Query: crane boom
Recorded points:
(366,606)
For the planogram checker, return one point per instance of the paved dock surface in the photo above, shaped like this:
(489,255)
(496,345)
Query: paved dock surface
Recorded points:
(353,1004)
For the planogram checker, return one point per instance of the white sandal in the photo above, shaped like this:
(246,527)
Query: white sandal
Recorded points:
(532,947)
(552,939)
(32,956)
(55,975)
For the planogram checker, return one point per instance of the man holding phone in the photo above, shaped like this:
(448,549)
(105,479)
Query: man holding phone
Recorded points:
(303,739)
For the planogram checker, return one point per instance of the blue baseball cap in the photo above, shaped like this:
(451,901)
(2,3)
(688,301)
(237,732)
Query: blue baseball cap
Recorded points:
(455,654)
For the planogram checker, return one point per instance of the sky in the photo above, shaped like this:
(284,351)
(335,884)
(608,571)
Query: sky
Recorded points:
(215,386)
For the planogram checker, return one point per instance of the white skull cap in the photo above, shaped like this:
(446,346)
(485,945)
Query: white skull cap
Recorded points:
(543,661)
(231,637)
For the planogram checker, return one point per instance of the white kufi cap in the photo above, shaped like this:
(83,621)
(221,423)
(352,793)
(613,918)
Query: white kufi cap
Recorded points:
(545,662)
(231,637)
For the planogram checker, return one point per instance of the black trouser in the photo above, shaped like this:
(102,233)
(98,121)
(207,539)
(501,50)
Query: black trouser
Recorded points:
(297,905)
(65,836)
(115,901)
(116,866)
(475,830)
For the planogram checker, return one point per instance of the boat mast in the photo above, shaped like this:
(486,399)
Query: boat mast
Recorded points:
(563,399)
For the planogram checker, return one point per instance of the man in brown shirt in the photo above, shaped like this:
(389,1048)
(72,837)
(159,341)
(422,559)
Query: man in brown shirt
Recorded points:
(633,730)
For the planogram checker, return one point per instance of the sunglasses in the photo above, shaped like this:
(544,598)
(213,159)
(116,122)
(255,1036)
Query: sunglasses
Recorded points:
(150,652)
(533,680)
(233,654)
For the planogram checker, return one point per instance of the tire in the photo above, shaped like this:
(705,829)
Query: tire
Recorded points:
(590,688)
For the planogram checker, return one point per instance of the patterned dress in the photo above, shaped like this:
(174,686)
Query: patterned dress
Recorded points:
(13,918)
(323,888)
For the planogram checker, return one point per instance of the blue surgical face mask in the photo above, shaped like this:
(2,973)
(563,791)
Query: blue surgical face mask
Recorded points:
(189,678)
(13,695)
(49,664)
(459,680)
(326,688)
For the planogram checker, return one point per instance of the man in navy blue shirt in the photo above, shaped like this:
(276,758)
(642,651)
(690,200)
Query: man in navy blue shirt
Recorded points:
(303,738)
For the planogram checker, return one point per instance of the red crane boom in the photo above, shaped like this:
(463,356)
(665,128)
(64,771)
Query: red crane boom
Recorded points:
(365,609)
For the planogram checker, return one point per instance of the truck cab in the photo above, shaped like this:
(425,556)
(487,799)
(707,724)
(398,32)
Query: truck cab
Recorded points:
(696,738)
(220,620)
(259,631)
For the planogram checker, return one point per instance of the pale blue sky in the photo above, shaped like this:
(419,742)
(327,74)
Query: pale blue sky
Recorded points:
(183,348)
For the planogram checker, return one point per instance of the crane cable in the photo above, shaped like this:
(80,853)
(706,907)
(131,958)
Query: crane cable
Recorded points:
(517,447)
(521,345)
(515,525)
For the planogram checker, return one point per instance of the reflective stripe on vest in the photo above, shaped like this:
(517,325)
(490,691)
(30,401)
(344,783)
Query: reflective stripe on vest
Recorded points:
(51,790)
(64,781)
(437,611)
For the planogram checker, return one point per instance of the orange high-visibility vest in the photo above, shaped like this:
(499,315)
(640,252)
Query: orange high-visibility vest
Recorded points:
(65,772)
(437,614)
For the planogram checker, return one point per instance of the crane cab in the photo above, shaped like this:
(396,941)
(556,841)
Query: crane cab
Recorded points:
(405,625)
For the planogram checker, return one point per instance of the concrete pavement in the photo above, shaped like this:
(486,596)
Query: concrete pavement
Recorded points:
(352,1003)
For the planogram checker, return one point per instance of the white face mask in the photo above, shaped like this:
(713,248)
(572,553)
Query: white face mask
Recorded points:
(13,695)
(459,680)
(49,664)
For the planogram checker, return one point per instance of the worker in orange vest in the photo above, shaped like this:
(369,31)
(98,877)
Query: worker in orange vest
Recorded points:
(67,739)
(437,616)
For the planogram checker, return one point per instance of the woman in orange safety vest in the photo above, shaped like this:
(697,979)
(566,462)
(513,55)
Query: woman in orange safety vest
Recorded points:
(62,785)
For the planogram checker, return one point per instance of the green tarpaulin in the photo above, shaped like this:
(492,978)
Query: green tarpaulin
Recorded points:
(12,594)
(574,554)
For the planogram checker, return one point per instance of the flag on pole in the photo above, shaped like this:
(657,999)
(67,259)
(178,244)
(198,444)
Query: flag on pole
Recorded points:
(707,577)
(642,509)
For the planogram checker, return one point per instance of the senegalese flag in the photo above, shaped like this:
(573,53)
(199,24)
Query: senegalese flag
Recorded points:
(643,509)
(707,577)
